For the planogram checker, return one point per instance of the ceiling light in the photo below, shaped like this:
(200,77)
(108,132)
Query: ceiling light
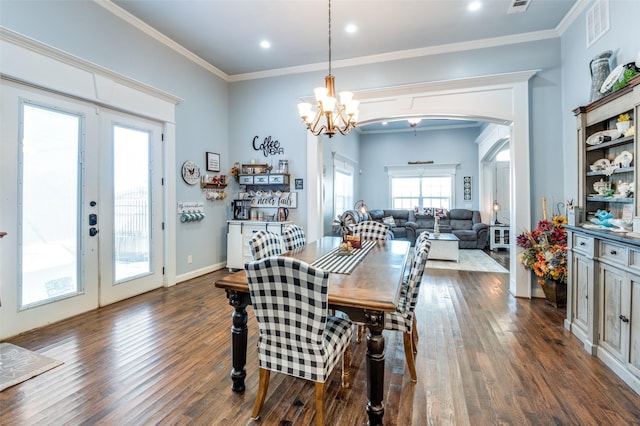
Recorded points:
(265,44)
(351,28)
(338,116)
(473,6)
(413,122)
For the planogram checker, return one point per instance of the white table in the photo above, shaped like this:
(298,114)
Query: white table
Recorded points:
(444,247)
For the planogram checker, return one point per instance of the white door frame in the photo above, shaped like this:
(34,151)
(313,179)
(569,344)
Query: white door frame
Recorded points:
(502,99)
(33,63)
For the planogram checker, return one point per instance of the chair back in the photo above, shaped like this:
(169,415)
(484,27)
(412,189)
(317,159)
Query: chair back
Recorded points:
(371,230)
(293,237)
(415,275)
(423,236)
(290,301)
(265,244)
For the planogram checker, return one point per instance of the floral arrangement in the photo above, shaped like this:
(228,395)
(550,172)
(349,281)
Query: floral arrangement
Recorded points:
(235,172)
(623,117)
(545,250)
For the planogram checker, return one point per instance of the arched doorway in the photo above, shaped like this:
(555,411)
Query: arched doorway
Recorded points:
(502,99)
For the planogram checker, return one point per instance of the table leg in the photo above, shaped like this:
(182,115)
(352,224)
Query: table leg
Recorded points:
(239,301)
(375,366)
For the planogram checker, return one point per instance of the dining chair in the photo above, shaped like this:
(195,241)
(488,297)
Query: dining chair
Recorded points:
(403,319)
(371,230)
(297,336)
(294,237)
(265,244)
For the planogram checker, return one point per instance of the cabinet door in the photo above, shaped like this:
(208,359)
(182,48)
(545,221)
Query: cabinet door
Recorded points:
(234,246)
(634,326)
(581,284)
(613,293)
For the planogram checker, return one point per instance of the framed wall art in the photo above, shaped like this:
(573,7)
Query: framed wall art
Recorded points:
(467,188)
(213,162)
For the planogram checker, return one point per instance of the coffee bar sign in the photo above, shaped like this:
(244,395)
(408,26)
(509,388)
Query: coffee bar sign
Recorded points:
(268,146)
(265,200)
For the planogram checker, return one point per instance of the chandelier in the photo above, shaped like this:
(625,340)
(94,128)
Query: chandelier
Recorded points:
(338,116)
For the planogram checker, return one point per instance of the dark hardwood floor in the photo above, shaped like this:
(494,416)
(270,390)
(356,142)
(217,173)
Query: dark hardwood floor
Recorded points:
(485,358)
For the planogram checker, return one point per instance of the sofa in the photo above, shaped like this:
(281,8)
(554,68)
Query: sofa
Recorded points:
(463,223)
(396,219)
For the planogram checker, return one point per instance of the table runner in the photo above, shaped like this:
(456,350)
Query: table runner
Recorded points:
(332,262)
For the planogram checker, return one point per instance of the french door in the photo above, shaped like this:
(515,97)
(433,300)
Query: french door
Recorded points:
(82,204)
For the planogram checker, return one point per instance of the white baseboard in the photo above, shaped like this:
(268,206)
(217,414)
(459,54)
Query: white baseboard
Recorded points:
(199,272)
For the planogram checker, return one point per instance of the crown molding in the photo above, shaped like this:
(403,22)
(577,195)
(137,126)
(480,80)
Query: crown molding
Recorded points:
(571,16)
(158,36)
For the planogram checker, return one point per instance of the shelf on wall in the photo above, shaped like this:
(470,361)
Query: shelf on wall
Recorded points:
(611,144)
(618,170)
(210,185)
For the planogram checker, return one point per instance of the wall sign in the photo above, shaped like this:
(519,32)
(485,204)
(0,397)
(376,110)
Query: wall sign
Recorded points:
(213,162)
(286,199)
(299,183)
(268,146)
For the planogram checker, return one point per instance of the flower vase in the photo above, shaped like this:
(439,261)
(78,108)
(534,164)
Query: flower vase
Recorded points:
(623,126)
(555,292)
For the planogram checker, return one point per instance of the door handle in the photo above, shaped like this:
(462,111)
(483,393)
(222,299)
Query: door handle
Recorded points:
(93,231)
(624,318)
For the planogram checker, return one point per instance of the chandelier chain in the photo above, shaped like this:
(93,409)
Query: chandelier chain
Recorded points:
(329,37)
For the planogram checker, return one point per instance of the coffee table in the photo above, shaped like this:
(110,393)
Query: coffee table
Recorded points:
(444,247)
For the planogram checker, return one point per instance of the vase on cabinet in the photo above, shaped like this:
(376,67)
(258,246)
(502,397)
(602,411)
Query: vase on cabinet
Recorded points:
(600,70)
(555,292)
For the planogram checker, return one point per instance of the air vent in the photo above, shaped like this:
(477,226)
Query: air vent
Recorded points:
(518,6)
(597,21)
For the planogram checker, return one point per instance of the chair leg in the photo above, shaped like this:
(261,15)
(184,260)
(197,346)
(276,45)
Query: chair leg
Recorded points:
(414,335)
(408,354)
(319,404)
(360,333)
(346,367)
(263,385)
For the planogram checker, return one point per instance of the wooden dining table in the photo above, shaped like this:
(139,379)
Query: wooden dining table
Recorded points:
(365,294)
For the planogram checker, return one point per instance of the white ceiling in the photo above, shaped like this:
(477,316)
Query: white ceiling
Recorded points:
(227,33)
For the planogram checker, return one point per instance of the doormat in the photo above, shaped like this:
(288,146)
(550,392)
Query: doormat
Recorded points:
(470,260)
(18,364)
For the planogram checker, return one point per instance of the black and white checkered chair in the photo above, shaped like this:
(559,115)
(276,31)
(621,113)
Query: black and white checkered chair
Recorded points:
(371,230)
(265,244)
(424,235)
(297,336)
(404,318)
(294,237)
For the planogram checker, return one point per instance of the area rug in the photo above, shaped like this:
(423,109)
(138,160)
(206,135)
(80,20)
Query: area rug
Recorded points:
(18,364)
(470,260)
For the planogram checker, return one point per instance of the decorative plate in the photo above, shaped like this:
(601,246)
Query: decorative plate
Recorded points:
(601,164)
(612,78)
(599,137)
(624,159)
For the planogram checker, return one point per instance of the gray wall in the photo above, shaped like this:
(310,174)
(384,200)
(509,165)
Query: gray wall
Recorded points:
(270,103)
(88,31)
(224,117)
(623,39)
(439,146)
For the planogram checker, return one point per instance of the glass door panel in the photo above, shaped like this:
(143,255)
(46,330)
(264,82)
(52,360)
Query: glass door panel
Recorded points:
(49,188)
(132,202)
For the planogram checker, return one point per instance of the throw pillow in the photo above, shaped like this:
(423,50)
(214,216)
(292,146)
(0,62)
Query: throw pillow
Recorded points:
(389,220)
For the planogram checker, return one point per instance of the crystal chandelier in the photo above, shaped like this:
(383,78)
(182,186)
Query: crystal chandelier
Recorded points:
(338,116)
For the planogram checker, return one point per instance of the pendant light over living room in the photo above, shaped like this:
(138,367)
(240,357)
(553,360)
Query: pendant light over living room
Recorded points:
(338,116)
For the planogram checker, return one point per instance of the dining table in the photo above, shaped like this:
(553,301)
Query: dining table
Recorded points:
(369,288)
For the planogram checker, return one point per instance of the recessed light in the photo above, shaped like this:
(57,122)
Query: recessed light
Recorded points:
(475,5)
(265,44)
(351,28)
(384,123)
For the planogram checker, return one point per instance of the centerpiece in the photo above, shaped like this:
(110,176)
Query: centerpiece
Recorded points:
(545,253)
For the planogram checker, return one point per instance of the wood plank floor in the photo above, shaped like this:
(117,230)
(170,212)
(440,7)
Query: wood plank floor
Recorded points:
(485,358)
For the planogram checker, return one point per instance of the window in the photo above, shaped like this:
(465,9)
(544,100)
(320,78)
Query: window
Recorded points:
(343,190)
(427,186)
(431,191)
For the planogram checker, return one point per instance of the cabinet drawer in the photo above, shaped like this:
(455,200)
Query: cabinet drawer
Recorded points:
(246,180)
(281,179)
(613,253)
(582,244)
(260,180)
